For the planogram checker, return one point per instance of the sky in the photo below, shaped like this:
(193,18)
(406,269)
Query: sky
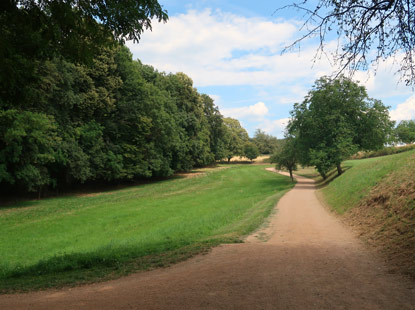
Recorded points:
(232,50)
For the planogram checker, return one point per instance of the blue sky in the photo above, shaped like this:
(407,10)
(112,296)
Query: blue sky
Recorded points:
(232,51)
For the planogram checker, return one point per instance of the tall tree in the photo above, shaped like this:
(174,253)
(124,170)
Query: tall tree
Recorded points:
(34,31)
(335,120)
(217,129)
(369,31)
(236,137)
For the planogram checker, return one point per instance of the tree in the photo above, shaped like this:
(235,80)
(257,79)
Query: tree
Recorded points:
(235,138)
(335,120)
(217,129)
(370,31)
(266,143)
(286,156)
(405,131)
(27,145)
(32,32)
(251,151)
(74,28)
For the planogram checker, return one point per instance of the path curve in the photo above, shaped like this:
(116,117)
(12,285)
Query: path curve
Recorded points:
(308,261)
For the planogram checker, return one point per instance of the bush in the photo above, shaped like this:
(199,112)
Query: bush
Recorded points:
(384,152)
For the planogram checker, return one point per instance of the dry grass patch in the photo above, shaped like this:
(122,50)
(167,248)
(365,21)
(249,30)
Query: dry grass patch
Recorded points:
(385,218)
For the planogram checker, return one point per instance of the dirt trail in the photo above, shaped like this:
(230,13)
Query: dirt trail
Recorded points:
(309,261)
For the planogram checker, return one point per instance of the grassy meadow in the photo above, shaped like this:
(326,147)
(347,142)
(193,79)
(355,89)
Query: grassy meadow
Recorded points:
(75,239)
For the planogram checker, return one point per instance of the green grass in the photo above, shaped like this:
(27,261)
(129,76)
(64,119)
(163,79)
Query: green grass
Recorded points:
(344,192)
(61,241)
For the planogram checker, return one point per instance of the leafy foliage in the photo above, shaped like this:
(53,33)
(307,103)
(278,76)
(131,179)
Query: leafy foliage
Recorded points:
(235,138)
(405,131)
(114,120)
(335,120)
(27,145)
(266,143)
(286,156)
(76,108)
(251,151)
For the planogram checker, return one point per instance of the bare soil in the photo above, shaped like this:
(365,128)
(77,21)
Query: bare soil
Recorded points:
(304,259)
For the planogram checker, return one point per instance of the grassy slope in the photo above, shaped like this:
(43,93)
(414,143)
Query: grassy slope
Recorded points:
(386,216)
(345,192)
(75,239)
(377,196)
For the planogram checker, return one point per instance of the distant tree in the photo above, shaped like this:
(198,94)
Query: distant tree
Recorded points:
(235,138)
(266,143)
(286,156)
(217,129)
(251,151)
(335,120)
(405,131)
(369,31)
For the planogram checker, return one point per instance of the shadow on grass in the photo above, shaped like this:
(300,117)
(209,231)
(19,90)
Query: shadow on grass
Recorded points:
(27,200)
(277,183)
(319,182)
(103,264)
(331,176)
(236,162)
(13,204)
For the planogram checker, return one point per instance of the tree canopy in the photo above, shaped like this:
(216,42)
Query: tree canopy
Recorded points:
(405,131)
(335,120)
(286,156)
(251,151)
(32,32)
(265,143)
(235,138)
(114,120)
(368,31)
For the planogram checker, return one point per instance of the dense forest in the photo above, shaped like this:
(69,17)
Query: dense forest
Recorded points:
(115,120)
(76,108)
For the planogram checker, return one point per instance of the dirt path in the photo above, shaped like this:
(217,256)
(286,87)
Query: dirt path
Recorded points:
(309,261)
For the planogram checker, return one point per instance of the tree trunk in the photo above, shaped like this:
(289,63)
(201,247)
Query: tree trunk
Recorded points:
(339,169)
(229,160)
(291,175)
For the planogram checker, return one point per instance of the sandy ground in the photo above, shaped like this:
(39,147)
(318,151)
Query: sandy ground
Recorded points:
(305,259)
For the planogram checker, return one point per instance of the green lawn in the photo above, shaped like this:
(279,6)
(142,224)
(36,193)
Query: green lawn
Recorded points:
(344,192)
(73,239)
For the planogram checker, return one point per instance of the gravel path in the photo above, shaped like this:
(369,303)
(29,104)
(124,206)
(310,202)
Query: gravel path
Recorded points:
(304,259)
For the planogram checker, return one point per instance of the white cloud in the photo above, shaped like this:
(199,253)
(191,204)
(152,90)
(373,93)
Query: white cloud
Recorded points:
(382,80)
(275,127)
(217,48)
(216,99)
(257,110)
(404,111)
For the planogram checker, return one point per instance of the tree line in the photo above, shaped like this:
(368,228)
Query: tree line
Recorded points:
(75,107)
(117,119)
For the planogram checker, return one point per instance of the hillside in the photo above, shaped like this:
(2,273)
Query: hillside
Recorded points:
(377,197)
